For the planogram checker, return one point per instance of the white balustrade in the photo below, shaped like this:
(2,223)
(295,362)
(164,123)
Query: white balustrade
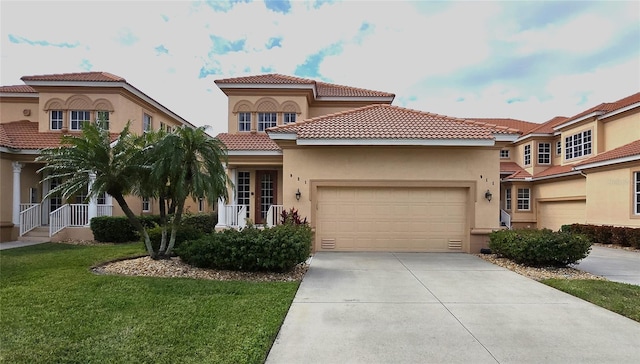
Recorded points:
(273,215)
(30,217)
(235,215)
(105,210)
(59,219)
(505,219)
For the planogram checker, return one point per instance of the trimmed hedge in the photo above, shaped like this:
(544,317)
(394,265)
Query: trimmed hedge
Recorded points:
(183,234)
(540,248)
(276,249)
(606,234)
(203,222)
(113,229)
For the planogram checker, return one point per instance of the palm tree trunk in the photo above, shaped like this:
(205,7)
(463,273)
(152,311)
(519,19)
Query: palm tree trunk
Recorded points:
(163,223)
(174,226)
(136,223)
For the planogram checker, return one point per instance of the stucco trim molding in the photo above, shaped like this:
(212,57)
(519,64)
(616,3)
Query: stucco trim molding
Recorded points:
(393,142)
(609,162)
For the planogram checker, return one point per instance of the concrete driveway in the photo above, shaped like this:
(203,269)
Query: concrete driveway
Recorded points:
(614,264)
(442,308)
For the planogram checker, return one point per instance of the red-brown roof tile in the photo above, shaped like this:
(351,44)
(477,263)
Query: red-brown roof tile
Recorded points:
(607,107)
(547,126)
(626,150)
(323,89)
(554,170)
(514,170)
(18,89)
(382,121)
(24,134)
(247,141)
(521,125)
(80,76)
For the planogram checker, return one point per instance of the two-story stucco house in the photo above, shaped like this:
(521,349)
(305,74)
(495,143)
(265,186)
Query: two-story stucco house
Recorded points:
(34,116)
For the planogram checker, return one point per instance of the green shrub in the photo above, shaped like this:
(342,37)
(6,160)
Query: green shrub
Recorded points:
(605,234)
(205,223)
(276,249)
(113,229)
(183,234)
(540,247)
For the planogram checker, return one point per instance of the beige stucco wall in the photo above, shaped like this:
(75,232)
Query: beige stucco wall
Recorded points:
(621,129)
(252,102)
(610,196)
(15,108)
(477,166)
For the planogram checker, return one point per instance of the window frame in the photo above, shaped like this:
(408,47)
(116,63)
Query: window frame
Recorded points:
(544,154)
(60,120)
(98,114)
(244,121)
(504,154)
(527,155)
(147,122)
(559,148)
(523,202)
(636,193)
(77,120)
(578,145)
(263,123)
(507,199)
(243,189)
(289,118)
(146,201)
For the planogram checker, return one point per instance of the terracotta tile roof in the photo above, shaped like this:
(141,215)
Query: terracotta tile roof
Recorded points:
(323,89)
(18,89)
(521,125)
(547,126)
(626,150)
(24,134)
(514,170)
(382,121)
(80,76)
(247,141)
(554,170)
(607,107)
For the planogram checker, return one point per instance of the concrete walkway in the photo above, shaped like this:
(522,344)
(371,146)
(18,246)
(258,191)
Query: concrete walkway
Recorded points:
(442,308)
(614,264)
(18,244)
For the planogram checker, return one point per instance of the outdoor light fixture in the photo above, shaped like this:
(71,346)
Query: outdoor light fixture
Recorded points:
(488,195)
(298,194)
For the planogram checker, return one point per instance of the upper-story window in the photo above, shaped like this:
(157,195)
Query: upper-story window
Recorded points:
(77,118)
(56,119)
(559,148)
(266,120)
(637,192)
(577,145)
(544,153)
(147,123)
(504,154)
(289,117)
(102,119)
(527,154)
(244,121)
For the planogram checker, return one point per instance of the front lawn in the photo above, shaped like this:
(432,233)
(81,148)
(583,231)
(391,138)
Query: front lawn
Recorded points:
(621,298)
(54,310)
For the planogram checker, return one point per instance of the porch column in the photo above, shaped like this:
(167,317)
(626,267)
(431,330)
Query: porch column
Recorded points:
(221,214)
(93,201)
(17,169)
(232,176)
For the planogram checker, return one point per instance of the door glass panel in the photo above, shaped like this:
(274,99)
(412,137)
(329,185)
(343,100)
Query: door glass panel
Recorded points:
(266,194)
(244,193)
(55,200)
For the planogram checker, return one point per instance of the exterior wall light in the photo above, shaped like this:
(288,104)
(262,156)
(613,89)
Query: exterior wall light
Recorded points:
(298,194)
(488,195)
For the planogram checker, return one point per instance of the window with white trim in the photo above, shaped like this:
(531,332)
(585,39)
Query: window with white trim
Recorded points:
(544,153)
(577,145)
(266,120)
(637,192)
(524,199)
(504,154)
(527,154)
(289,117)
(77,118)
(56,119)
(102,198)
(244,121)
(507,199)
(243,189)
(102,119)
(146,204)
(559,148)
(147,123)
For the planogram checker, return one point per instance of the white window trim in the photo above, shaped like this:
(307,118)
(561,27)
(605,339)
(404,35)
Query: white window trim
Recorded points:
(284,117)
(97,116)
(636,194)
(507,199)
(526,155)
(527,199)
(570,148)
(240,122)
(559,148)
(506,154)
(80,122)
(262,124)
(145,127)
(51,119)
(146,201)
(548,154)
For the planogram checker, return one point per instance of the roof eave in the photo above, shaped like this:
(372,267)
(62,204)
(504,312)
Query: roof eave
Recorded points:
(397,142)
(19,94)
(282,136)
(254,152)
(565,174)
(574,121)
(374,99)
(631,158)
(20,151)
(621,110)
(505,137)
(263,86)
(538,135)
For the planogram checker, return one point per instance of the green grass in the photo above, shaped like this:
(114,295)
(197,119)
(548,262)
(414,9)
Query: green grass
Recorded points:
(621,298)
(54,310)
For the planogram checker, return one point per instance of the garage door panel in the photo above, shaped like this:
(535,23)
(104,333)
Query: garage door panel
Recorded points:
(391,219)
(553,214)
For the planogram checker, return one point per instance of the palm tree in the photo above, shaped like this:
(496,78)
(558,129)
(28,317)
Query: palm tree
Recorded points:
(188,162)
(117,167)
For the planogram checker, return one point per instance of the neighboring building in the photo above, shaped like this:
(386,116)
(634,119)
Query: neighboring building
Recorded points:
(368,175)
(35,115)
(582,169)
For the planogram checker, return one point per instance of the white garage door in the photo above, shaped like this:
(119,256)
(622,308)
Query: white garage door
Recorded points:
(552,215)
(391,219)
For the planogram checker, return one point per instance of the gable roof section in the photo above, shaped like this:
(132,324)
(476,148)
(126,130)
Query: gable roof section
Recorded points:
(17,89)
(604,110)
(79,77)
(320,89)
(383,124)
(513,170)
(626,153)
(547,126)
(248,143)
(24,135)
(520,125)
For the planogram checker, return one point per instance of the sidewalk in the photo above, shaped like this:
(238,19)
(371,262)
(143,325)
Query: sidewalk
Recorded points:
(616,265)
(17,244)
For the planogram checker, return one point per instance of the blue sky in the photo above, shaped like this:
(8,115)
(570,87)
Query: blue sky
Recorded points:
(525,60)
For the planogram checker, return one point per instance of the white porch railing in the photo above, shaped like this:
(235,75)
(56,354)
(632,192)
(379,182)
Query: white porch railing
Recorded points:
(105,210)
(30,217)
(235,215)
(505,219)
(59,219)
(273,215)
(79,214)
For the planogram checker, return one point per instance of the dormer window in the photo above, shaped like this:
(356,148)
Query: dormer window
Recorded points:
(544,153)
(266,120)
(56,119)
(78,118)
(578,145)
(244,121)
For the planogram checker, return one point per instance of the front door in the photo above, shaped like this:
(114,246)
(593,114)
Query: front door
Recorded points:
(266,189)
(51,203)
